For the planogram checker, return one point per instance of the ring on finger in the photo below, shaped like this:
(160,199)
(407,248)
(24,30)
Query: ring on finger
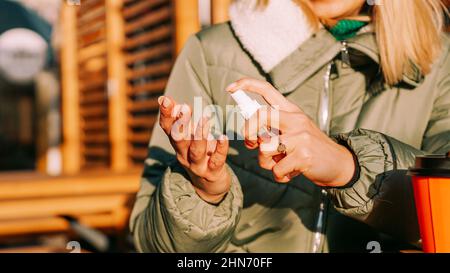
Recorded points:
(282,148)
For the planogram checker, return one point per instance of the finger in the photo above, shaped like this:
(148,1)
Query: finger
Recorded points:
(181,128)
(180,134)
(269,154)
(166,119)
(256,124)
(274,121)
(199,145)
(268,145)
(282,170)
(211,145)
(219,156)
(266,90)
(266,161)
(251,145)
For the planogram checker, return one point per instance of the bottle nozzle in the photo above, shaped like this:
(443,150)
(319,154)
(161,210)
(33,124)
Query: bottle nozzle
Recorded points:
(247,106)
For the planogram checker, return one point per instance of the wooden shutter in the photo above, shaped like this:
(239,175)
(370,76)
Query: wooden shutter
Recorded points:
(148,52)
(116,58)
(93,78)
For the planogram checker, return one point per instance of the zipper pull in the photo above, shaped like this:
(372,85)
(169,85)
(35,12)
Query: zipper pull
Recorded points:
(345,56)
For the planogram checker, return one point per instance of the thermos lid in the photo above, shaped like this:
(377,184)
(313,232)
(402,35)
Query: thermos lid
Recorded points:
(433,166)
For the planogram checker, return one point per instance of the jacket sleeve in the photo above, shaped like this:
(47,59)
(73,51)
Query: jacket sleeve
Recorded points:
(382,195)
(168,215)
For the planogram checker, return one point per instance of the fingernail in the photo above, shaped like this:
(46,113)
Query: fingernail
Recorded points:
(160,100)
(207,115)
(222,139)
(231,86)
(184,109)
(166,102)
(249,143)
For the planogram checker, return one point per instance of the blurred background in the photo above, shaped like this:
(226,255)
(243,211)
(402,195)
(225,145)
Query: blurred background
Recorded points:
(79,81)
(78,87)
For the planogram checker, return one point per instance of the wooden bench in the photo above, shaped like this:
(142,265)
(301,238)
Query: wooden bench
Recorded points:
(33,204)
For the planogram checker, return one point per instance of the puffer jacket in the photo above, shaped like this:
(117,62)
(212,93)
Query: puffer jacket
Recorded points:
(340,86)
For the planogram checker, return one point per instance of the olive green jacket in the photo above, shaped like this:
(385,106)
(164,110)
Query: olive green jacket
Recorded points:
(385,127)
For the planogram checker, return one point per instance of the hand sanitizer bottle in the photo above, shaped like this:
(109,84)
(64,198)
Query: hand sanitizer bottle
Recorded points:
(248,107)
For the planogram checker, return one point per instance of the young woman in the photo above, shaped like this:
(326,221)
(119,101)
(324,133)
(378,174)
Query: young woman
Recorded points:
(362,91)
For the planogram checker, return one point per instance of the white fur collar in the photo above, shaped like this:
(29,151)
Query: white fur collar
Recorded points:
(271,34)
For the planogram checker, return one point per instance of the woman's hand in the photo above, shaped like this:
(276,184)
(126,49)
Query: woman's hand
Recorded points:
(304,148)
(201,156)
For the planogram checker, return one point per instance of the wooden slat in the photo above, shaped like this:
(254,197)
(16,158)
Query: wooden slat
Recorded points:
(145,105)
(146,21)
(141,137)
(117,90)
(93,67)
(187,21)
(95,138)
(93,124)
(34,185)
(97,26)
(94,97)
(141,7)
(97,36)
(70,98)
(87,5)
(142,122)
(219,11)
(95,163)
(37,208)
(93,111)
(92,51)
(148,54)
(157,34)
(93,83)
(139,153)
(97,151)
(91,15)
(150,70)
(93,88)
(39,250)
(152,87)
(48,225)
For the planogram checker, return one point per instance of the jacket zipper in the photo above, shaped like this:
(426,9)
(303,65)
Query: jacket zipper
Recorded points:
(320,224)
(324,124)
(324,108)
(345,56)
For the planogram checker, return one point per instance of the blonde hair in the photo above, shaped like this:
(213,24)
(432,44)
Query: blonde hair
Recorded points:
(408,31)
(408,34)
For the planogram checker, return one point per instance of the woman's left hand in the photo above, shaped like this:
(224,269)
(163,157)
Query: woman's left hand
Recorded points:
(304,148)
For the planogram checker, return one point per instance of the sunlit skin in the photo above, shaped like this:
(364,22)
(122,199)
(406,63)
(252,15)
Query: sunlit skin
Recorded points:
(308,151)
(335,9)
(330,11)
(207,170)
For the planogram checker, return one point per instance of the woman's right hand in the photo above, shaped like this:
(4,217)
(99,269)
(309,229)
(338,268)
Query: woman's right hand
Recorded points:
(201,156)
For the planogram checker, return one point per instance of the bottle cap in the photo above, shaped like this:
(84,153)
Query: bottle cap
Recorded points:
(432,166)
